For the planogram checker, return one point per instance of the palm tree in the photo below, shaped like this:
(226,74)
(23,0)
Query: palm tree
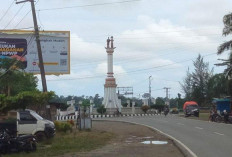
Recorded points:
(227,20)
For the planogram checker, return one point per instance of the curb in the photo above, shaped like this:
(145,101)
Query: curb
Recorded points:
(183,148)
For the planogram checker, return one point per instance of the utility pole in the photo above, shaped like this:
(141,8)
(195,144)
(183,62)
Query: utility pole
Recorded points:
(167,91)
(149,101)
(167,94)
(40,56)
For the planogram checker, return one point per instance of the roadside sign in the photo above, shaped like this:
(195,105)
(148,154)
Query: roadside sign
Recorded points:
(22,46)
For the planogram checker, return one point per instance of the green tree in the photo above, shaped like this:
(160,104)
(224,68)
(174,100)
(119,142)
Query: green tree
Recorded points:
(101,109)
(200,79)
(217,86)
(160,101)
(23,100)
(195,84)
(227,46)
(97,100)
(180,101)
(173,102)
(123,100)
(12,78)
(187,85)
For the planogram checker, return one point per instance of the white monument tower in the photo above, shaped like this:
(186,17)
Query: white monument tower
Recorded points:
(110,96)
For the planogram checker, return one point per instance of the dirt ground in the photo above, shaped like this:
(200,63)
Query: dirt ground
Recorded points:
(128,142)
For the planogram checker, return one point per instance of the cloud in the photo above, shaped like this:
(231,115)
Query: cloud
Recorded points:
(161,35)
(206,13)
(83,50)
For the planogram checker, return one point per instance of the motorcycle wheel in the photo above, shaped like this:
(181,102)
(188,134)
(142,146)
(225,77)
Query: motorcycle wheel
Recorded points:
(218,119)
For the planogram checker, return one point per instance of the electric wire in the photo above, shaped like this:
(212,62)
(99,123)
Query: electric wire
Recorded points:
(137,93)
(14,16)
(25,16)
(138,58)
(133,71)
(7,11)
(88,5)
(42,26)
(30,41)
(22,19)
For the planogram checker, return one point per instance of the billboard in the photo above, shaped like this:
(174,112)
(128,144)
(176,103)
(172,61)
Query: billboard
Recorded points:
(21,45)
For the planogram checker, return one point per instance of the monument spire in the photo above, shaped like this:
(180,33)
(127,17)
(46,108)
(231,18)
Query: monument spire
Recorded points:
(110,95)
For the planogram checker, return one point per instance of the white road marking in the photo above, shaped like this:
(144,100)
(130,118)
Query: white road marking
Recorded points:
(180,123)
(218,133)
(198,128)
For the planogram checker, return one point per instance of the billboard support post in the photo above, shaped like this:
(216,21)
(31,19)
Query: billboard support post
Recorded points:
(40,56)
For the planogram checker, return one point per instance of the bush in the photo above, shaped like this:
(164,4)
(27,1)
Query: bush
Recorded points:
(145,108)
(63,126)
(101,109)
(71,122)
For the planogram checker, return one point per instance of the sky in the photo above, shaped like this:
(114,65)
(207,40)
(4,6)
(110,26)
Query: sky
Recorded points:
(158,38)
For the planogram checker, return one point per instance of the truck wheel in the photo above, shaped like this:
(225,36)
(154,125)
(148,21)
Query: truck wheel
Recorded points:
(40,136)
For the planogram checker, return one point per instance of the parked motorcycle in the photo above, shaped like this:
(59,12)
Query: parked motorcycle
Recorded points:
(217,118)
(221,118)
(11,144)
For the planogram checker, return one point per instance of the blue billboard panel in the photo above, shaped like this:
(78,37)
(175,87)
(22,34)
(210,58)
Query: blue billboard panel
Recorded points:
(14,48)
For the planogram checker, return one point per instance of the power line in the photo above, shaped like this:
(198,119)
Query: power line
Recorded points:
(181,35)
(133,71)
(147,92)
(132,59)
(7,10)
(25,15)
(22,18)
(14,16)
(30,41)
(40,20)
(166,65)
(88,5)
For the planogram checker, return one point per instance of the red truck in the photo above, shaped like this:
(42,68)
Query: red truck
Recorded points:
(191,108)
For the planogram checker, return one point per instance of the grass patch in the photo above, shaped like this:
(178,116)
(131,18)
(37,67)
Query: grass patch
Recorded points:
(63,143)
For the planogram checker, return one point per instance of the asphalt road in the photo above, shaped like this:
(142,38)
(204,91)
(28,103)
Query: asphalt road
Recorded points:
(205,139)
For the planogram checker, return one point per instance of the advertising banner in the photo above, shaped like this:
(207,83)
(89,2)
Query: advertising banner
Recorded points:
(21,45)
(14,48)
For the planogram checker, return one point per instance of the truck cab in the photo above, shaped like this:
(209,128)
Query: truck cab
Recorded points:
(191,108)
(29,122)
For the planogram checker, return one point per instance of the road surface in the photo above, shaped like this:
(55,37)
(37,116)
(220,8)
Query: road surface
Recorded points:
(205,139)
